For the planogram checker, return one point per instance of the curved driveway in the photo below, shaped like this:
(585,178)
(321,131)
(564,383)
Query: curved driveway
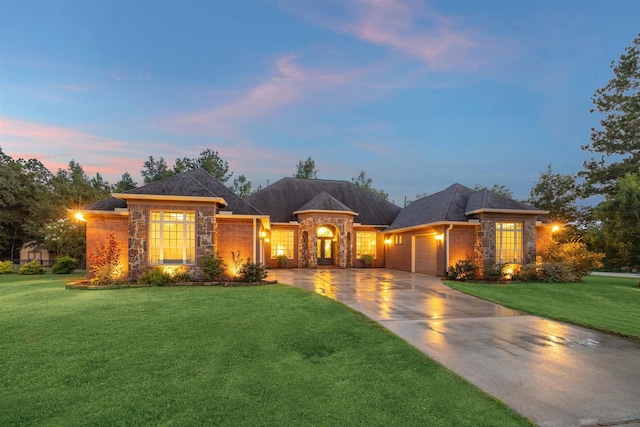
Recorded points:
(551,372)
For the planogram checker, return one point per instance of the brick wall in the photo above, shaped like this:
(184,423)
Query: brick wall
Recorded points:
(398,255)
(237,235)
(99,227)
(461,244)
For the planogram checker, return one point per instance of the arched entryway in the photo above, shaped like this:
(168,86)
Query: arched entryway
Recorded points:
(327,237)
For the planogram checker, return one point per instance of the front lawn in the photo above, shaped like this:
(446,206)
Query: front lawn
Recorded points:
(270,355)
(609,304)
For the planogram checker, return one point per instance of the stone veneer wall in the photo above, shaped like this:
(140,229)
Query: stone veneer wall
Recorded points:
(485,238)
(309,222)
(139,214)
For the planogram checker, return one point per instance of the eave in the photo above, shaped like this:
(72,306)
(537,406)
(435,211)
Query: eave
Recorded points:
(168,198)
(507,211)
(431,224)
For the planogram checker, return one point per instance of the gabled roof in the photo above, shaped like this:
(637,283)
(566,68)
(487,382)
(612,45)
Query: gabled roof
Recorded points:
(190,185)
(446,205)
(457,203)
(324,202)
(281,199)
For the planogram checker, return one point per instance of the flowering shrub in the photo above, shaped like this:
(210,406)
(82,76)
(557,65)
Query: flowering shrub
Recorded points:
(106,264)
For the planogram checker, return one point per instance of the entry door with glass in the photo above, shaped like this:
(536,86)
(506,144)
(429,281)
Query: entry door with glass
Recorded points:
(325,246)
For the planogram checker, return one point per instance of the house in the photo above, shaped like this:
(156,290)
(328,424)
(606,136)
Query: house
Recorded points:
(311,223)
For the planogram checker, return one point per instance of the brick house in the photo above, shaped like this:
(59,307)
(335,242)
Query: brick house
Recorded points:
(311,223)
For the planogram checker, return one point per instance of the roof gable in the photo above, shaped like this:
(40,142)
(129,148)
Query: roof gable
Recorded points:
(324,202)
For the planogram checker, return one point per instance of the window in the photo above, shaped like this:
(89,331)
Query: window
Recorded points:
(365,243)
(173,237)
(509,242)
(397,239)
(282,243)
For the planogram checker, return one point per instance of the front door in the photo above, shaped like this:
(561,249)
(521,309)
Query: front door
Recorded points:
(325,251)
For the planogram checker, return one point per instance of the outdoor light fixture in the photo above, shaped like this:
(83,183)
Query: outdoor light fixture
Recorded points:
(387,241)
(79,216)
(439,237)
(555,228)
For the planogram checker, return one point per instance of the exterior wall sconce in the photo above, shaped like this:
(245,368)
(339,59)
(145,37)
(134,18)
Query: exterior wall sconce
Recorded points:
(439,237)
(555,228)
(79,216)
(387,241)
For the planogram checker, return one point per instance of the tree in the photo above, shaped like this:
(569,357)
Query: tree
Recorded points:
(618,140)
(155,170)
(125,183)
(500,189)
(26,202)
(241,186)
(208,160)
(618,234)
(64,236)
(365,182)
(74,188)
(306,169)
(557,194)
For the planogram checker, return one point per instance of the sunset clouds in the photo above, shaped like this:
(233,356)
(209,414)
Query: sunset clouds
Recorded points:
(418,93)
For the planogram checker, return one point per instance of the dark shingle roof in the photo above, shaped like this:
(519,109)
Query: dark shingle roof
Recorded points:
(487,199)
(192,183)
(446,205)
(282,198)
(453,204)
(324,202)
(109,204)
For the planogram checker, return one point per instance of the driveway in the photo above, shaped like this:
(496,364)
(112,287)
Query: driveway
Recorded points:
(551,372)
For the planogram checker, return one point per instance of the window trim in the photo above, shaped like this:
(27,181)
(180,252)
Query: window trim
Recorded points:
(289,244)
(373,244)
(185,236)
(516,234)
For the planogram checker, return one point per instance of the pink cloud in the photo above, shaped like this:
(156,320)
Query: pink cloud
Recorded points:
(412,28)
(55,146)
(289,84)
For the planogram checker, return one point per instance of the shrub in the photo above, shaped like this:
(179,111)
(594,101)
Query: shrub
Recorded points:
(156,276)
(253,272)
(282,260)
(463,269)
(34,267)
(367,259)
(64,265)
(527,274)
(575,254)
(6,267)
(557,272)
(212,268)
(495,273)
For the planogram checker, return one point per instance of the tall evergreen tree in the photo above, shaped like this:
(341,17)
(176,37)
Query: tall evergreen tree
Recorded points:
(618,139)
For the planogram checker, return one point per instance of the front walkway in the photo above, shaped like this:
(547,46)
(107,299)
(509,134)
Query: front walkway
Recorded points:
(551,372)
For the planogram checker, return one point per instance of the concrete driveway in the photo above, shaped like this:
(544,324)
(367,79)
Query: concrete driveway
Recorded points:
(551,372)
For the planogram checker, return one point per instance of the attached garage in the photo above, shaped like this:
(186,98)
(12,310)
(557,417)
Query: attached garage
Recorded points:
(424,254)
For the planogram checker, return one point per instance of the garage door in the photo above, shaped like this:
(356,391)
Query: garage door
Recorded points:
(425,255)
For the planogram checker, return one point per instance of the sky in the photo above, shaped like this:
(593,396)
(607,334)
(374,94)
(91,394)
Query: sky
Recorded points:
(418,94)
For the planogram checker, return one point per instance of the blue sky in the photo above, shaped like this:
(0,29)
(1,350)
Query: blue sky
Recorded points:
(418,94)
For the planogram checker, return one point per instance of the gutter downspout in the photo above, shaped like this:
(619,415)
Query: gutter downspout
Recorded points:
(446,241)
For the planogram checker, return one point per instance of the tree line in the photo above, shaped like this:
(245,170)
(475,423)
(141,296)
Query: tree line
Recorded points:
(34,201)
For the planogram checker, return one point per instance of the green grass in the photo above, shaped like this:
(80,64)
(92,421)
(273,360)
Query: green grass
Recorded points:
(271,355)
(609,304)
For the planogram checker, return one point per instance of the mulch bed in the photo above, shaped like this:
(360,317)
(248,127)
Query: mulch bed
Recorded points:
(86,285)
